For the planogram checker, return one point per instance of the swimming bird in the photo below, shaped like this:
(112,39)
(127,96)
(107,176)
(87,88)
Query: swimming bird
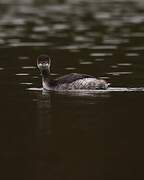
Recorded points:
(72,81)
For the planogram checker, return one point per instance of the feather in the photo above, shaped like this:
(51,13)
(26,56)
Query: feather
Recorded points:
(69,78)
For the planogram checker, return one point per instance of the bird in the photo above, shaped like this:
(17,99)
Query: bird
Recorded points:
(68,82)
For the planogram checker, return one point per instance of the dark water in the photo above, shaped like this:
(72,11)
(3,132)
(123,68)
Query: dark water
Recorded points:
(82,136)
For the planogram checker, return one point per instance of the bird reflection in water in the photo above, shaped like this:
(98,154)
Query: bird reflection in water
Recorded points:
(49,102)
(44,113)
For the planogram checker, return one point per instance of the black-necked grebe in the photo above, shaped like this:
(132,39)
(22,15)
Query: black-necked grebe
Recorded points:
(72,81)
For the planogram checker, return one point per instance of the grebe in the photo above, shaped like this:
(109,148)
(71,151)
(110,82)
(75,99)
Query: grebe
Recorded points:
(72,81)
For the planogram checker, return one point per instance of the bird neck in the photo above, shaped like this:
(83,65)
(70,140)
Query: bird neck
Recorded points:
(45,73)
(48,82)
(46,77)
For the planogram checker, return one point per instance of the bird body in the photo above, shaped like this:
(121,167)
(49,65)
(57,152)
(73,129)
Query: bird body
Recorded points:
(72,81)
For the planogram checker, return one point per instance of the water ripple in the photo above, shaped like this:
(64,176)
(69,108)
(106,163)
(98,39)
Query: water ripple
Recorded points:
(41,29)
(70,68)
(105,47)
(101,54)
(22,74)
(26,83)
(124,64)
(86,62)
(119,73)
(23,58)
(29,67)
(29,44)
(132,54)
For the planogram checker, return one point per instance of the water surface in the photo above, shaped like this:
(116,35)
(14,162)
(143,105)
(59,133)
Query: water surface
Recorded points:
(72,136)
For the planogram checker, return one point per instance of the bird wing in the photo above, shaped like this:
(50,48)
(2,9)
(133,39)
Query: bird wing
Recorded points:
(69,78)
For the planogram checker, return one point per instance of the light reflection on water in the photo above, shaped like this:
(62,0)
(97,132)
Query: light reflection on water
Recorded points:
(72,135)
(89,92)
